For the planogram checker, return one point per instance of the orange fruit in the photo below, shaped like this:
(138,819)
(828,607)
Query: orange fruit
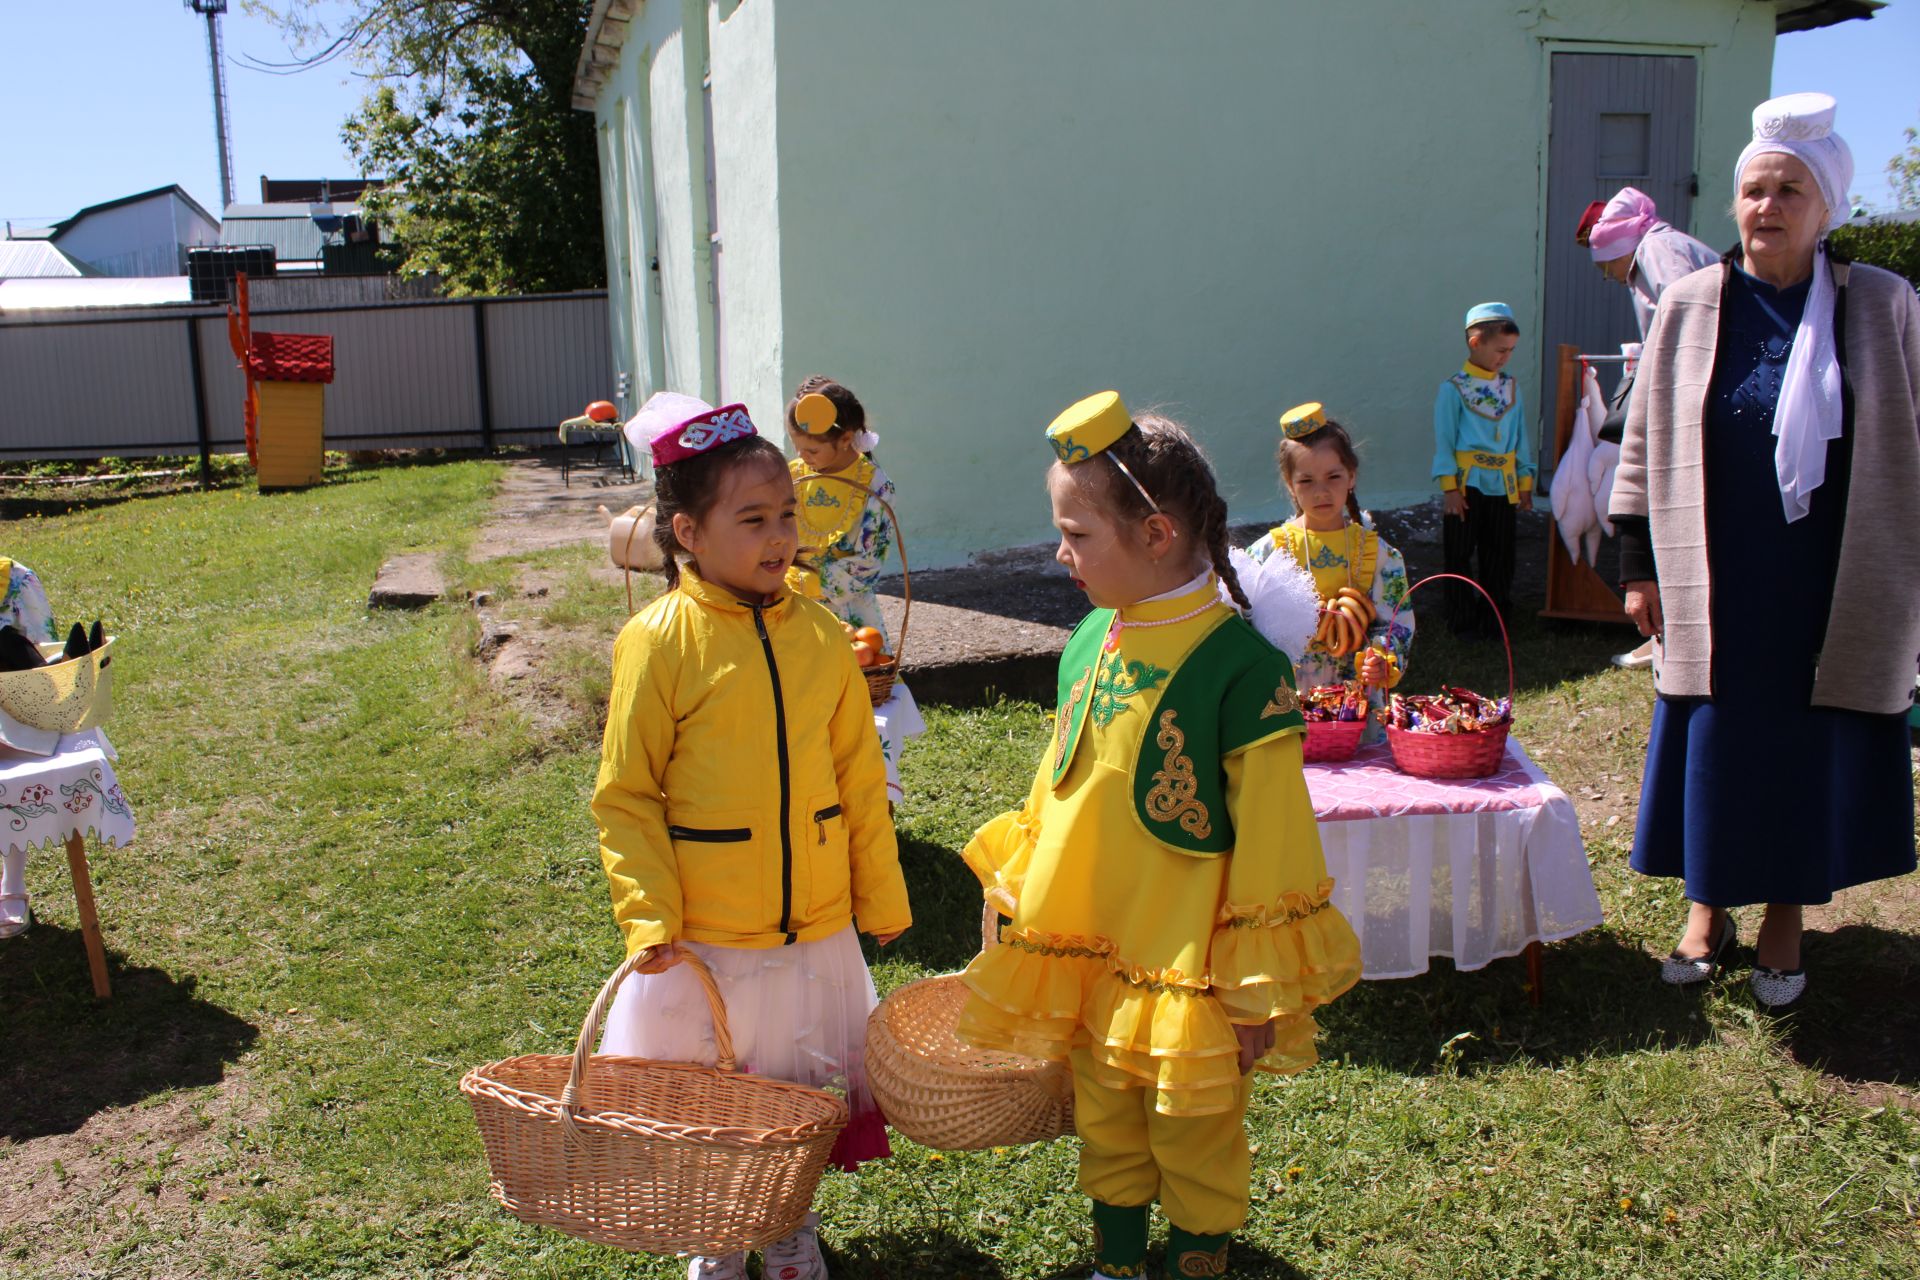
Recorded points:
(872,636)
(865,654)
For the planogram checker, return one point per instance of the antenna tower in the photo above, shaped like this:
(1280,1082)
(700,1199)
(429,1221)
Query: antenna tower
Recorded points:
(216,57)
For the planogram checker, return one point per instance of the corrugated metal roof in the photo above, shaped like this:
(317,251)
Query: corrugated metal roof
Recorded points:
(287,227)
(36,260)
(93,291)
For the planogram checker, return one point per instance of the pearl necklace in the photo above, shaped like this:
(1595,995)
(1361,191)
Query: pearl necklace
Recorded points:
(1121,624)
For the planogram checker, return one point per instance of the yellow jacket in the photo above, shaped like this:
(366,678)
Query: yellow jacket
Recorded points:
(742,797)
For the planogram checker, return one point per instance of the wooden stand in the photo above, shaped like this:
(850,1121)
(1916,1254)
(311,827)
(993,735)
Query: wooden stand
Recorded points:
(1574,591)
(89,919)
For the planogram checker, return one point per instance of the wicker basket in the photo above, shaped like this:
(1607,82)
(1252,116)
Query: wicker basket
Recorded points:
(659,1157)
(942,1092)
(881,675)
(1454,755)
(1331,741)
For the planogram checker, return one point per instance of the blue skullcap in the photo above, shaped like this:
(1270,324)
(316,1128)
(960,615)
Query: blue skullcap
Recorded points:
(1488,311)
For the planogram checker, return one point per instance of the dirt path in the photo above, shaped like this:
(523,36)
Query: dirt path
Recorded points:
(535,509)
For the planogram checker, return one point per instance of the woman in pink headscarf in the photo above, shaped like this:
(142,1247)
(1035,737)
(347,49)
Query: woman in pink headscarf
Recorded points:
(1633,247)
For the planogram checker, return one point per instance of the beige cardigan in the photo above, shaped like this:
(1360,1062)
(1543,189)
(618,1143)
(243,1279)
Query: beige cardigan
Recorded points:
(1873,632)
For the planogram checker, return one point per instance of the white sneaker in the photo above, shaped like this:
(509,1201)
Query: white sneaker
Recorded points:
(797,1257)
(731,1267)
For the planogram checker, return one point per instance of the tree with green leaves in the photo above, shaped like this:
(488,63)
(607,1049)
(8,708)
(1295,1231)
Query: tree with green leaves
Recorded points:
(492,180)
(1903,172)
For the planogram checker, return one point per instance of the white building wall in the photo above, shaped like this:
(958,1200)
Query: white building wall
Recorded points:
(745,76)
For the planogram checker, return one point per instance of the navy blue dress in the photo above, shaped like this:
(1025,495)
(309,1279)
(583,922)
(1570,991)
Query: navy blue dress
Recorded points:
(1756,795)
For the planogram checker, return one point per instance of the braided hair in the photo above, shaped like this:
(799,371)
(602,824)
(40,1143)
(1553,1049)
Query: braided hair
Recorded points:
(1294,452)
(1171,467)
(692,485)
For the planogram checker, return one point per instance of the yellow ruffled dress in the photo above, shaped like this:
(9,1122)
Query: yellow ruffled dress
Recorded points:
(1140,954)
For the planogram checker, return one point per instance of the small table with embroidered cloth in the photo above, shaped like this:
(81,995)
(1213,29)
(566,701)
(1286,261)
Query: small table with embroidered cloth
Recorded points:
(63,798)
(1474,869)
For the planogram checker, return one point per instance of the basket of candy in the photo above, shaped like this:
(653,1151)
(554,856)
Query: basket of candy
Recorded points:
(1455,733)
(1336,716)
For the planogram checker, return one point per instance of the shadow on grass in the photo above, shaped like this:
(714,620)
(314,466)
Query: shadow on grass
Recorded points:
(946,909)
(892,1255)
(1600,997)
(1859,1022)
(69,1055)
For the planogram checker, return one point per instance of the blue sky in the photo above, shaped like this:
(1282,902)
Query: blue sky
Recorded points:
(109,97)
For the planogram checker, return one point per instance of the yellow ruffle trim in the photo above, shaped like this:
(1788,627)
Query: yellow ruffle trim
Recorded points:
(1274,960)
(1044,995)
(1000,854)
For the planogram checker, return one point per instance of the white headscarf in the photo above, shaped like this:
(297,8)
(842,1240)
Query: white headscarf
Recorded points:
(1809,414)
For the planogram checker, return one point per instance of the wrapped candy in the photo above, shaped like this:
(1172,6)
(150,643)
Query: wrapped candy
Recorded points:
(1345,703)
(1449,711)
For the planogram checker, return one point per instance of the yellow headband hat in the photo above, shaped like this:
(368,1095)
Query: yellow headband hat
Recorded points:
(816,414)
(1089,426)
(1303,419)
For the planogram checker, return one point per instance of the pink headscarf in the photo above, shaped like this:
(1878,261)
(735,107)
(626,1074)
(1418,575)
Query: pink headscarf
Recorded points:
(1627,218)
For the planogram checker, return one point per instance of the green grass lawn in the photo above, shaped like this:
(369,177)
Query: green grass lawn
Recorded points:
(360,871)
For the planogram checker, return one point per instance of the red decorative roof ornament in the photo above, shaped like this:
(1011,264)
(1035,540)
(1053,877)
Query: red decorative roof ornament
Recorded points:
(291,357)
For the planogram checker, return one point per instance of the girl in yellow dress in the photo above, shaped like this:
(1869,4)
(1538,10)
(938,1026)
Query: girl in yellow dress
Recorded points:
(844,533)
(1171,924)
(1334,540)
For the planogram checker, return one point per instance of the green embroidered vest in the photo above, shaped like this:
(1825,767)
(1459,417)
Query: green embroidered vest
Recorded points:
(1233,691)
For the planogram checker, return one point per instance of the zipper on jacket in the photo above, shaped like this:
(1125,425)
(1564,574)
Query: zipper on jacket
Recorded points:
(786,781)
(820,819)
(711,835)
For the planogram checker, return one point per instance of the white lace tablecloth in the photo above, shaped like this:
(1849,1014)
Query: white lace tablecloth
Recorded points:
(45,799)
(897,719)
(1473,869)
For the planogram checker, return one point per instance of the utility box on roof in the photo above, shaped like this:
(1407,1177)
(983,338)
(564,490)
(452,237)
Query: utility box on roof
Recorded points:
(290,372)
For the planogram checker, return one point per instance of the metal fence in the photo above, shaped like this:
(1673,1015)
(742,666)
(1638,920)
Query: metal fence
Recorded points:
(439,373)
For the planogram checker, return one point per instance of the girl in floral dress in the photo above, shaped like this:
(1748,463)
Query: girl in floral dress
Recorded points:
(1334,540)
(845,534)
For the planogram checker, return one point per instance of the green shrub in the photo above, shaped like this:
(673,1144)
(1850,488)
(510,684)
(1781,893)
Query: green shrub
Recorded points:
(1893,245)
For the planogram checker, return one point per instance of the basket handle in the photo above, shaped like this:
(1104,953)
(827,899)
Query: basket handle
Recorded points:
(989,926)
(571,1095)
(899,544)
(1505,640)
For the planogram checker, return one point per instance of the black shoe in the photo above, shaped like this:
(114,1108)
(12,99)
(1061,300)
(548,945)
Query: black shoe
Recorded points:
(95,638)
(1683,971)
(76,643)
(17,653)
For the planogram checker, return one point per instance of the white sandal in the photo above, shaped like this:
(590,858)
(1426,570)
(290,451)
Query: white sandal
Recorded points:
(14,928)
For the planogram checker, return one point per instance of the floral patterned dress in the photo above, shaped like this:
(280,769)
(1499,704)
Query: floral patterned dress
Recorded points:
(844,540)
(1355,556)
(24,605)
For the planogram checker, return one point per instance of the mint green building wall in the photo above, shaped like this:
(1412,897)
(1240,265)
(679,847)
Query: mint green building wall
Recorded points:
(1222,209)
(976,215)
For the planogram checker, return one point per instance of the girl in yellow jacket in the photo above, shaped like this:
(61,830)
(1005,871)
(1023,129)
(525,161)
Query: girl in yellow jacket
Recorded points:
(1171,923)
(742,798)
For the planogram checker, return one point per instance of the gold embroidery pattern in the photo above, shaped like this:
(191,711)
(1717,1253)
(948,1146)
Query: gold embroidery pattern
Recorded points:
(1284,700)
(1119,681)
(1290,916)
(1078,950)
(1157,981)
(1172,798)
(1198,1262)
(1064,729)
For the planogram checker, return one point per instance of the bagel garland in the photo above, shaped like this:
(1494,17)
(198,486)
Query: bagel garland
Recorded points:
(1344,620)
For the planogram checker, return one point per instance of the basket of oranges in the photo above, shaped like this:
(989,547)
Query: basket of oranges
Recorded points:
(869,646)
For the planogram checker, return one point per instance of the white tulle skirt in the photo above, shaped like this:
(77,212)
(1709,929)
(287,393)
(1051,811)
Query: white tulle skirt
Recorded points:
(797,1013)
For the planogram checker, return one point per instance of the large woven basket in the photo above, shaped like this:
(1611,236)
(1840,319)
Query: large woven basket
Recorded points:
(1453,755)
(944,1093)
(659,1157)
(881,675)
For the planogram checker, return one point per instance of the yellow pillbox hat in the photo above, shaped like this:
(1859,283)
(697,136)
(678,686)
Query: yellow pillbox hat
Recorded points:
(1303,419)
(816,414)
(1089,426)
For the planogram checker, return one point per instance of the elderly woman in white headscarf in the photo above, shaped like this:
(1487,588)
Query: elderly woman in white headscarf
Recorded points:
(1767,476)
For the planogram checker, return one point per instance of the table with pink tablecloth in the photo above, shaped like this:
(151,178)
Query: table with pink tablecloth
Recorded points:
(1474,869)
